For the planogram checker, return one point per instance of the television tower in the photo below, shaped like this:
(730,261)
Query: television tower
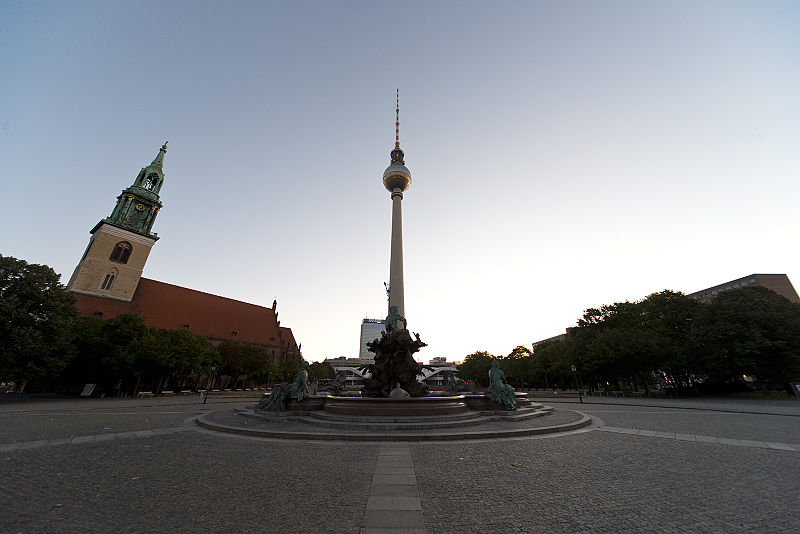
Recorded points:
(396,179)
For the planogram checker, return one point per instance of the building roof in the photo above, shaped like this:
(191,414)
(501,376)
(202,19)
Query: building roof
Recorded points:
(779,283)
(173,307)
(288,342)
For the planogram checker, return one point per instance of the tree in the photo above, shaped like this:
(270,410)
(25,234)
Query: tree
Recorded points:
(517,366)
(288,369)
(257,364)
(551,363)
(149,355)
(231,358)
(321,370)
(669,317)
(92,355)
(750,331)
(187,352)
(476,367)
(36,318)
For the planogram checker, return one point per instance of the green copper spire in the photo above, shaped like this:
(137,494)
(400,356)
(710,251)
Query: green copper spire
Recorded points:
(139,204)
(158,161)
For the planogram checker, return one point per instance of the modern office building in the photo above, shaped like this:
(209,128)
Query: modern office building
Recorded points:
(370,331)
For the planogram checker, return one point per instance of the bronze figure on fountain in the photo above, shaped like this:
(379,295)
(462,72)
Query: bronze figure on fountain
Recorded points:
(394,361)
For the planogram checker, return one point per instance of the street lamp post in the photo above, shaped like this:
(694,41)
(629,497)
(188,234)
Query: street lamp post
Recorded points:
(575,374)
(213,368)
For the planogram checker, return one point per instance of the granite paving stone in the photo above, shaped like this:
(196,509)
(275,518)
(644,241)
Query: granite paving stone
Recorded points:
(399,490)
(607,481)
(378,502)
(394,479)
(778,428)
(390,470)
(736,472)
(383,518)
(175,482)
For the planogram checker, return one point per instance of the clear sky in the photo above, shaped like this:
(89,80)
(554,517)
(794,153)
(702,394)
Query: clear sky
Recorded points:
(563,154)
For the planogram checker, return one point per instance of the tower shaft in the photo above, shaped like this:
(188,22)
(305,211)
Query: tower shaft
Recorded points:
(396,179)
(396,292)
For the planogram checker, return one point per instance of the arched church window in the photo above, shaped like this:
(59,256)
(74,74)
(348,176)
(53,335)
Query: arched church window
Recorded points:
(122,251)
(108,281)
(151,181)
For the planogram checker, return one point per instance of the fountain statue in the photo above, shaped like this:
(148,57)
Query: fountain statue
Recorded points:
(499,390)
(276,401)
(394,361)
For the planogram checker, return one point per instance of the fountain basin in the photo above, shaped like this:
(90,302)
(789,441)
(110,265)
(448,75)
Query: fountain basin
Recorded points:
(376,406)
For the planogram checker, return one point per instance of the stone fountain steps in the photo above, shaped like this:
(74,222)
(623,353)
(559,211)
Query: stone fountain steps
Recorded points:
(323,415)
(522,412)
(281,427)
(323,420)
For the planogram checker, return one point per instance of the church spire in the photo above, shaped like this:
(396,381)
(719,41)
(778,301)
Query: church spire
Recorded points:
(159,159)
(139,204)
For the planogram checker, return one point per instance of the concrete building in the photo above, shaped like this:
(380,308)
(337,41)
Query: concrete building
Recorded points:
(559,337)
(779,283)
(351,367)
(108,279)
(441,372)
(370,331)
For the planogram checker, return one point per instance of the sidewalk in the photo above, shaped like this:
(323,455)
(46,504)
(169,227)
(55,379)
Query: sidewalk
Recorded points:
(22,402)
(720,404)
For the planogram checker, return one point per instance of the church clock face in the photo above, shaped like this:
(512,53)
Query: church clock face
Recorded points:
(135,216)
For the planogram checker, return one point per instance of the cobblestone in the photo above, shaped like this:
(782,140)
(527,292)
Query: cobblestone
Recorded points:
(55,425)
(780,428)
(601,482)
(649,470)
(183,482)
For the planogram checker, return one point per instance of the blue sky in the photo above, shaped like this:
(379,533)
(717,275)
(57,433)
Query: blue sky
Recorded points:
(563,155)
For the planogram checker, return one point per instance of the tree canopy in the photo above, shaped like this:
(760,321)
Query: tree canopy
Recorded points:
(666,340)
(37,315)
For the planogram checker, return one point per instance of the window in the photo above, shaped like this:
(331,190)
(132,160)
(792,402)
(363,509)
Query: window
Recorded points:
(108,281)
(151,181)
(122,251)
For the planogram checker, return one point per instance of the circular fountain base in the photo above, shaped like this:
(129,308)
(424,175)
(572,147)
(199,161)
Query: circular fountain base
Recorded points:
(375,419)
(375,406)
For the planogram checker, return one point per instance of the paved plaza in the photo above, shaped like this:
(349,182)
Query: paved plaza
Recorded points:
(109,465)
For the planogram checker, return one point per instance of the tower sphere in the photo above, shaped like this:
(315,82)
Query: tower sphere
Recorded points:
(397,175)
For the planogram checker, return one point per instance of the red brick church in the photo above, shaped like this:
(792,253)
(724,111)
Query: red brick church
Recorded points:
(108,279)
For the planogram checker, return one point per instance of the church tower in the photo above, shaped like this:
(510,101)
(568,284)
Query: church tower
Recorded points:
(120,244)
